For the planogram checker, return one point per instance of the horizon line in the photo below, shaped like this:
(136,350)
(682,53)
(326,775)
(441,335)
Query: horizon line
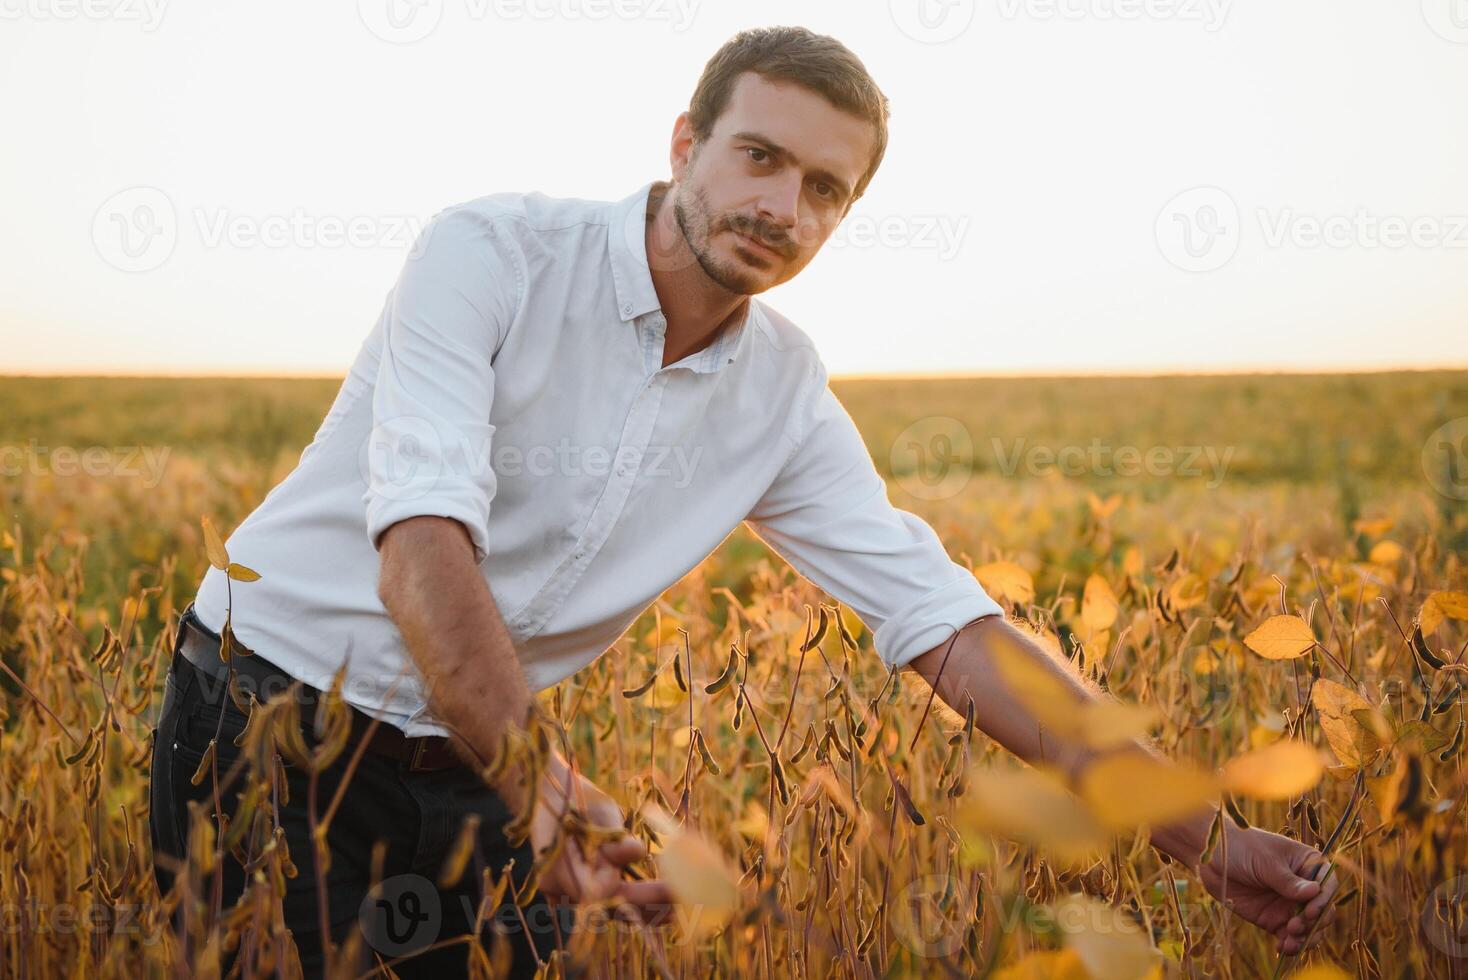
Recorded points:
(959,375)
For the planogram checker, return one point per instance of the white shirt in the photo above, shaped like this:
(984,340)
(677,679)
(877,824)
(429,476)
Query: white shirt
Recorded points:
(514,382)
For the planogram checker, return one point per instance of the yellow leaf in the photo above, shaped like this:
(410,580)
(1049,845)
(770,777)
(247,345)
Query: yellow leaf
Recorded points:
(755,823)
(1278,771)
(1093,649)
(1036,685)
(134,609)
(1033,806)
(241,573)
(1454,604)
(1006,580)
(460,853)
(1374,722)
(697,874)
(1108,724)
(1046,964)
(1110,944)
(1386,553)
(1269,730)
(1131,562)
(1353,744)
(1129,789)
(1188,591)
(1103,509)
(214,546)
(1281,638)
(1372,528)
(1098,604)
(1387,790)
(665,691)
(823,778)
(1320,971)
(787,622)
(663,632)
(1443,605)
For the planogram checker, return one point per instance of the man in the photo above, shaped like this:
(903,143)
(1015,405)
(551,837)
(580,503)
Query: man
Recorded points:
(564,407)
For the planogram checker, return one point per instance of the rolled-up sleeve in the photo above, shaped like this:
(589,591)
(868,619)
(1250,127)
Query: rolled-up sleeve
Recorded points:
(429,449)
(827,513)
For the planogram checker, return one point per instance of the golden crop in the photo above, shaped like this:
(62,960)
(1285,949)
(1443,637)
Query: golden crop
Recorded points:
(1285,615)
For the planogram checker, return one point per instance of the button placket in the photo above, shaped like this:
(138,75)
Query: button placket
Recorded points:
(636,434)
(654,328)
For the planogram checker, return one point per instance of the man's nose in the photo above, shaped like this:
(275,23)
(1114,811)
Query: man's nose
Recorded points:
(779,206)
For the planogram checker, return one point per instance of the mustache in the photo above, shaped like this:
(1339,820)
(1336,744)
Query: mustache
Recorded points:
(766,234)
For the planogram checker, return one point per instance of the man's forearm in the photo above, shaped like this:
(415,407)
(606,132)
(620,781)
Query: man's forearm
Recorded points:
(970,669)
(441,604)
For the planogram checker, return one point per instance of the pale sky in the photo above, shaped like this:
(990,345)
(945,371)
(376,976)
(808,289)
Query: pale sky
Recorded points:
(1071,185)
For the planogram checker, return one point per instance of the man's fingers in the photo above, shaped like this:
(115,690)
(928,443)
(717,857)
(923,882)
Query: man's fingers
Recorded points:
(1274,920)
(1319,926)
(652,899)
(1327,894)
(1299,889)
(1292,937)
(606,877)
(624,851)
(591,879)
(603,812)
(1289,874)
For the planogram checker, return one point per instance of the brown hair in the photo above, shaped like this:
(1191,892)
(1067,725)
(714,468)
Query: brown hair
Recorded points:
(793,54)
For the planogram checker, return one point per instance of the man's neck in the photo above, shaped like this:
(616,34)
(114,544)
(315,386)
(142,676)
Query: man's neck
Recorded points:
(695,307)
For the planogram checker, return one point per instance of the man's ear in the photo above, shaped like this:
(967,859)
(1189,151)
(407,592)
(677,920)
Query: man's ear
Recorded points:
(683,147)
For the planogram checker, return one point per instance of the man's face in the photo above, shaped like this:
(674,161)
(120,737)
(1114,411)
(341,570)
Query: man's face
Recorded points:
(759,197)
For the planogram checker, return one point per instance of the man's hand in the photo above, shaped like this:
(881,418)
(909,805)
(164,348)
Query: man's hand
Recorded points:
(1268,876)
(598,874)
(1270,882)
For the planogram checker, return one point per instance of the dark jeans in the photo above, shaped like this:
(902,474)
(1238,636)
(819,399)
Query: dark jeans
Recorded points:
(417,814)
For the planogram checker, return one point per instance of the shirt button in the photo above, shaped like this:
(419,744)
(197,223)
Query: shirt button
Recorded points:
(626,307)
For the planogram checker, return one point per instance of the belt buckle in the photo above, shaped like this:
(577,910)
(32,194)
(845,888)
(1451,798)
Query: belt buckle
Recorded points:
(415,759)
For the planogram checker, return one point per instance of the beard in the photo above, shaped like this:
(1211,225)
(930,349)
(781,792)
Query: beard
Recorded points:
(699,224)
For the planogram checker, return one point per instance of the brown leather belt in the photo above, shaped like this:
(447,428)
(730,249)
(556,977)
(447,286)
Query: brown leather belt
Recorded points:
(200,647)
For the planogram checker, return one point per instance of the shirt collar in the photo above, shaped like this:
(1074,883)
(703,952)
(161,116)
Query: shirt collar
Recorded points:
(632,280)
(627,243)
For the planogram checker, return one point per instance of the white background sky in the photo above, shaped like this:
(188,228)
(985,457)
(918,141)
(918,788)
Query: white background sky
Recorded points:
(1029,196)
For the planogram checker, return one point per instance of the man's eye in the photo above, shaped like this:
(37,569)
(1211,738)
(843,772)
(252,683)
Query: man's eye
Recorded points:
(753,150)
(828,190)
